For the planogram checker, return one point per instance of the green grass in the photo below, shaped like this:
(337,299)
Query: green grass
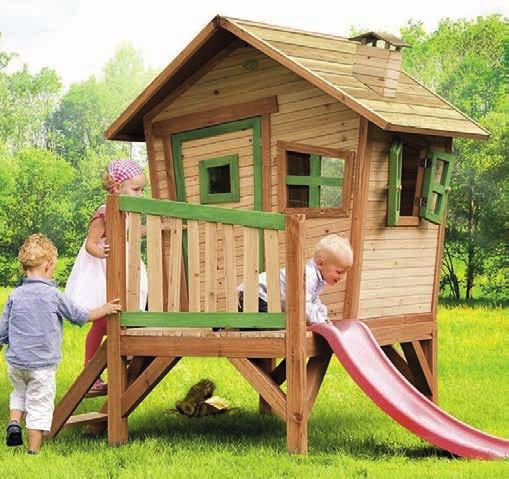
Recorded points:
(348,435)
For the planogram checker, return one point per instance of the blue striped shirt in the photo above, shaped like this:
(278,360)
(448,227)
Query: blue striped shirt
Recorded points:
(31,324)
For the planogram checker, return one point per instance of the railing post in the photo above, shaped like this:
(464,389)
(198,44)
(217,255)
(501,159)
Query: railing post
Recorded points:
(296,410)
(115,288)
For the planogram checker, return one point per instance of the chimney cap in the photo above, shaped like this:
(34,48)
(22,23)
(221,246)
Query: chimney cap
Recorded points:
(388,38)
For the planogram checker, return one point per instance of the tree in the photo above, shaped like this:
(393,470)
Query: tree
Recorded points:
(40,200)
(463,61)
(89,107)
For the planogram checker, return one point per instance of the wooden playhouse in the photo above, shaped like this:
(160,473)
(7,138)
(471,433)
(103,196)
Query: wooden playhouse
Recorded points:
(269,138)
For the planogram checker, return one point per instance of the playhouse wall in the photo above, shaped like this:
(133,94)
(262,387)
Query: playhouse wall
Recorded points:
(306,115)
(398,266)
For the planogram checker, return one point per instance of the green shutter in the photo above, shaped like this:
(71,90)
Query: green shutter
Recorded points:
(395,167)
(430,210)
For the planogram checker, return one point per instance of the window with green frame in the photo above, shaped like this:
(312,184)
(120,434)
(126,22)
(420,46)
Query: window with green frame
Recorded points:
(418,183)
(219,180)
(317,181)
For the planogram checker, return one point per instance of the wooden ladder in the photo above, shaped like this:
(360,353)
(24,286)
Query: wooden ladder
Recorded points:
(62,416)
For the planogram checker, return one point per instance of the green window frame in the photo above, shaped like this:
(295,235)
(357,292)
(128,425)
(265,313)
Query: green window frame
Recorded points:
(434,191)
(232,161)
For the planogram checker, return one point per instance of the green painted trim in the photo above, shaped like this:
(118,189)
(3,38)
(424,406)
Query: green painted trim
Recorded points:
(189,211)
(313,181)
(395,171)
(204,165)
(203,320)
(315,168)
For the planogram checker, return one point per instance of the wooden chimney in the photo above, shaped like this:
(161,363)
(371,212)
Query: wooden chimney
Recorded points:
(378,61)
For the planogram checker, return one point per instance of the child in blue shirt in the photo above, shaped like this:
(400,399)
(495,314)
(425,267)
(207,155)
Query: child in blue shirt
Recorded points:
(31,326)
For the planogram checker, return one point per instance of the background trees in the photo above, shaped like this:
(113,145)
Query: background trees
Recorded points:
(52,147)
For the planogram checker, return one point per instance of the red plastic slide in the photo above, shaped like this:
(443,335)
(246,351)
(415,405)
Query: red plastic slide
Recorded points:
(358,351)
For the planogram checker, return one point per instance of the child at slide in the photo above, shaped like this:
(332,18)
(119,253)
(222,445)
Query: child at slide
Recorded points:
(87,282)
(332,258)
(31,326)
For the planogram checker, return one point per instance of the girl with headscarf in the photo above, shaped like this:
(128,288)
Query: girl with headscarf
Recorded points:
(87,282)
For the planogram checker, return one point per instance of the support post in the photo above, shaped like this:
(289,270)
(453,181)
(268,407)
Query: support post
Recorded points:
(115,288)
(296,409)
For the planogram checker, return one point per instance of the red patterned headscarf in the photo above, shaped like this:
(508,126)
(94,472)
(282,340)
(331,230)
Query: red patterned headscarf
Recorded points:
(122,170)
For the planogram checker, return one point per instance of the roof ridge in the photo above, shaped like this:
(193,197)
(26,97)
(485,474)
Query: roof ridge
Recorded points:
(290,29)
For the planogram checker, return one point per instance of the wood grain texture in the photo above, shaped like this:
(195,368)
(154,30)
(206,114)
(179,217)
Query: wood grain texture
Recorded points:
(297,411)
(175,266)
(154,263)
(115,288)
(133,262)
(263,384)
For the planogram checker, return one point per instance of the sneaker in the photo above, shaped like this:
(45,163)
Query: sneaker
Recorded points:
(14,437)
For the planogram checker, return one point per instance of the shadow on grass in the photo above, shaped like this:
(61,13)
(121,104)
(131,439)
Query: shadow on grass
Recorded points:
(242,431)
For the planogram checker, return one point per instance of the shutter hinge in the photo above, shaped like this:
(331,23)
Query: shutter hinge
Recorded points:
(425,162)
(421,201)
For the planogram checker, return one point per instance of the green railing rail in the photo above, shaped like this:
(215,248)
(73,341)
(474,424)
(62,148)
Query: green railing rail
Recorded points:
(213,214)
(203,320)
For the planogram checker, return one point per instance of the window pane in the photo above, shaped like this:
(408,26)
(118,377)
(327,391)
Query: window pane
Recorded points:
(333,167)
(331,196)
(298,196)
(297,163)
(219,179)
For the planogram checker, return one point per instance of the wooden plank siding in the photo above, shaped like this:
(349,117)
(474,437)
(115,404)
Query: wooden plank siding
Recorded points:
(398,262)
(305,115)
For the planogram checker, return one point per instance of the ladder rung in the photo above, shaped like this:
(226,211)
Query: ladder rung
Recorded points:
(86,418)
(94,394)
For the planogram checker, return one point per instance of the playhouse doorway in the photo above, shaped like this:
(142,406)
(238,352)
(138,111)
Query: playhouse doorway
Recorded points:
(220,166)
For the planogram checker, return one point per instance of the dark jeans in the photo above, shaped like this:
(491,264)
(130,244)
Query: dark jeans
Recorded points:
(262,305)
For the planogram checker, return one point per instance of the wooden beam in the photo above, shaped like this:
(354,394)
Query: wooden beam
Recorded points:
(266,365)
(353,287)
(78,390)
(215,116)
(316,369)
(115,288)
(419,368)
(146,382)
(297,411)
(278,374)
(399,362)
(263,383)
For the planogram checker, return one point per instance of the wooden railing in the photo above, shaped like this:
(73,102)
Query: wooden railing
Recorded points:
(199,235)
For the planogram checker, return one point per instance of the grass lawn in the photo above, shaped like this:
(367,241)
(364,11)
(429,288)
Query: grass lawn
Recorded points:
(348,435)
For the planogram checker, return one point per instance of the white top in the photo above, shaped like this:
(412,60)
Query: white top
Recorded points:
(316,311)
(86,284)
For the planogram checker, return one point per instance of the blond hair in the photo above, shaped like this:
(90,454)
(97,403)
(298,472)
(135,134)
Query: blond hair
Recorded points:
(36,249)
(108,181)
(334,246)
